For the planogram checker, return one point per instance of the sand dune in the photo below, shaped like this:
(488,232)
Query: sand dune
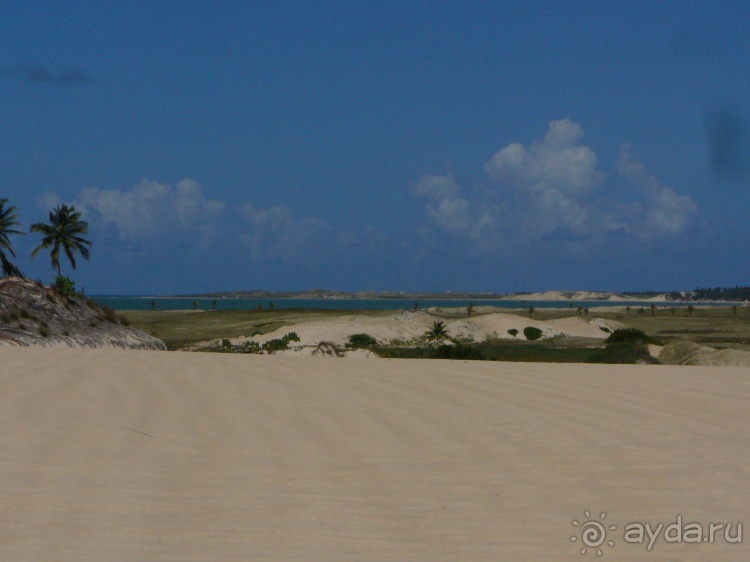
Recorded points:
(408,326)
(136,455)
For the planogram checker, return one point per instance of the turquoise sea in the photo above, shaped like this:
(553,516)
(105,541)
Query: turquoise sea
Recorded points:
(181,303)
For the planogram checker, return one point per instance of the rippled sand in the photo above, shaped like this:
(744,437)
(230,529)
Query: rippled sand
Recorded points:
(136,455)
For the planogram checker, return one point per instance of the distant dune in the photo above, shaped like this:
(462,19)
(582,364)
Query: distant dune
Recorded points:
(586,296)
(408,326)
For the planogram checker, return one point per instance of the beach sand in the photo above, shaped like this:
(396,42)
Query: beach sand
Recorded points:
(137,455)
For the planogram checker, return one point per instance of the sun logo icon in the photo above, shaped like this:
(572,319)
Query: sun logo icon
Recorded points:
(593,533)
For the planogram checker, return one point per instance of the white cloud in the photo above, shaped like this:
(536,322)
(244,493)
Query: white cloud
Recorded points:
(666,213)
(553,191)
(451,211)
(152,209)
(275,233)
(437,187)
(558,161)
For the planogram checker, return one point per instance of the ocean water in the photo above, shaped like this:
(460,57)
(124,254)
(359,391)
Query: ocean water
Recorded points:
(180,303)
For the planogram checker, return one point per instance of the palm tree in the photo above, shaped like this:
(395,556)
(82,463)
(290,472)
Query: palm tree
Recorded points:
(531,311)
(65,229)
(8,219)
(437,332)
(690,309)
(470,309)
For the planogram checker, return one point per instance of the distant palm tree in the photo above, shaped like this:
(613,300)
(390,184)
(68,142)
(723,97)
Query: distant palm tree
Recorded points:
(437,332)
(8,219)
(653,309)
(531,311)
(690,309)
(470,309)
(65,229)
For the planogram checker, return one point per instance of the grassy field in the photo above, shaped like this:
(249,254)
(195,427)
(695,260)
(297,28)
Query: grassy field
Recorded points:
(719,327)
(182,328)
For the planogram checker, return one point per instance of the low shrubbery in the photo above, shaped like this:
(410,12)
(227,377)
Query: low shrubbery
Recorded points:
(629,335)
(361,341)
(532,333)
(280,343)
(65,286)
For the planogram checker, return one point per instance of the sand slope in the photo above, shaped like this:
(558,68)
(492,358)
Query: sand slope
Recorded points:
(122,456)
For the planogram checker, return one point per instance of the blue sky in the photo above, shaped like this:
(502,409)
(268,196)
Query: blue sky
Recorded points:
(464,146)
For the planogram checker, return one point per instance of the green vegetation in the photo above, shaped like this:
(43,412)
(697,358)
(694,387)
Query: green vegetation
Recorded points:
(532,333)
(280,343)
(361,341)
(65,286)
(628,335)
(8,219)
(513,332)
(735,293)
(518,351)
(66,230)
(438,332)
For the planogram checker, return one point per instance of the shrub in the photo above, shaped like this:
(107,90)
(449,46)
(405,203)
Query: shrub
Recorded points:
(454,352)
(532,333)
(124,320)
(628,335)
(44,331)
(226,344)
(65,285)
(513,332)
(251,347)
(108,314)
(359,341)
(281,343)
